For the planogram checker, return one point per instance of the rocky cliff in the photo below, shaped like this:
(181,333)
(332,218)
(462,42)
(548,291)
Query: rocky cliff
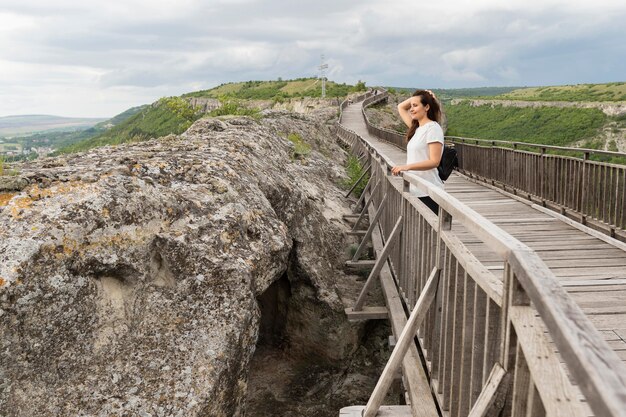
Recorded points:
(608,108)
(130,276)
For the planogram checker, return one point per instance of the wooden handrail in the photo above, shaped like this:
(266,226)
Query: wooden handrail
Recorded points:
(528,282)
(590,192)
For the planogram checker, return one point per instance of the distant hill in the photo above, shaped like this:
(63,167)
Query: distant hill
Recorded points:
(579,92)
(20,125)
(116,120)
(587,122)
(60,137)
(608,92)
(276,90)
(446,94)
(173,115)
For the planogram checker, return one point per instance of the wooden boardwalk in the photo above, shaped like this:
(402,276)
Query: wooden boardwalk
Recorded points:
(589,265)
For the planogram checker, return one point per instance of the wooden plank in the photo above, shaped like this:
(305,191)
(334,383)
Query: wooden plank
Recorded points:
(488,282)
(593,283)
(598,366)
(356,232)
(403,343)
(370,229)
(608,321)
(367,313)
(360,264)
(417,386)
(467,339)
(491,399)
(380,262)
(557,393)
(479,346)
(385,411)
(521,381)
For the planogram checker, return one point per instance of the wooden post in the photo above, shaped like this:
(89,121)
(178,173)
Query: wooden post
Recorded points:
(491,399)
(358,181)
(379,264)
(364,212)
(365,190)
(402,345)
(370,229)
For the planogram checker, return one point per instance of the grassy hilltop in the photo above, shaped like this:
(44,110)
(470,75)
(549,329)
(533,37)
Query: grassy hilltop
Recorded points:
(580,92)
(496,113)
(175,114)
(277,90)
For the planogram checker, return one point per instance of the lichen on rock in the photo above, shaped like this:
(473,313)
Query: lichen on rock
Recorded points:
(130,274)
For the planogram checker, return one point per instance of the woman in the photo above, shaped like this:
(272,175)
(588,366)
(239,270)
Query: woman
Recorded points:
(421,113)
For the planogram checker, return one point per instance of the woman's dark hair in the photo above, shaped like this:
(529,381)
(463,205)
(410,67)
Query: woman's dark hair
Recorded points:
(433,113)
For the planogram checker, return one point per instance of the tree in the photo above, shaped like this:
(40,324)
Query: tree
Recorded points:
(360,86)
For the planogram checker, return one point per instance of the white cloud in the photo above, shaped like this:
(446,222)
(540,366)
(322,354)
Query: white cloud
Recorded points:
(93,58)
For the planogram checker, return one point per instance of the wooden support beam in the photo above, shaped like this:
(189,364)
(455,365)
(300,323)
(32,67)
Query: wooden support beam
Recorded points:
(365,171)
(379,264)
(492,397)
(367,204)
(351,216)
(385,411)
(356,232)
(360,265)
(370,229)
(406,338)
(367,313)
(360,200)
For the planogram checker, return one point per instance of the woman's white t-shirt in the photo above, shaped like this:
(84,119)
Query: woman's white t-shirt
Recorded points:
(417,151)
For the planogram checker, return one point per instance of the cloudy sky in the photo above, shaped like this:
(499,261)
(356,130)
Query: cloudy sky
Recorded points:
(97,58)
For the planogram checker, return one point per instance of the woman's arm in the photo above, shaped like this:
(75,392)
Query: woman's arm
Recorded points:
(434,157)
(403,109)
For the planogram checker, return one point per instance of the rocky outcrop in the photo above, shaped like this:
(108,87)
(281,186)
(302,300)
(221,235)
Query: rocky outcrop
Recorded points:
(129,276)
(608,108)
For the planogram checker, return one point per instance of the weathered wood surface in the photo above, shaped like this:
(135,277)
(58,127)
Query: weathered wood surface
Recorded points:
(570,253)
(385,411)
(591,269)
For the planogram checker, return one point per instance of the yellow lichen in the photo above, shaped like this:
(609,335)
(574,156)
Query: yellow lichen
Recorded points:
(18,204)
(2,281)
(5,198)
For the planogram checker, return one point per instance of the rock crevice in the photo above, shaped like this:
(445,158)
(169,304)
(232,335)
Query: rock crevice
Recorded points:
(132,276)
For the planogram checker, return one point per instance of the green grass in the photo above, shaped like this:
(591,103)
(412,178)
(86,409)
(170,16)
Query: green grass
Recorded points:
(278,90)
(445,94)
(175,114)
(354,171)
(545,125)
(580,92)
(234,107)
(166,116)
(301,149)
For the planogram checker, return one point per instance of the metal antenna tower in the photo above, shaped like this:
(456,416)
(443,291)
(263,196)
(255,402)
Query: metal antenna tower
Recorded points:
(322,69)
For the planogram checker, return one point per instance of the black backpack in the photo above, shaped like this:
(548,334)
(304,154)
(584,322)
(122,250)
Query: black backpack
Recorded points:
(448,162)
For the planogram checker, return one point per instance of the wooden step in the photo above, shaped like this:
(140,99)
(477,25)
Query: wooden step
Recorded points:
(384,411)
(361,265)
(368,313)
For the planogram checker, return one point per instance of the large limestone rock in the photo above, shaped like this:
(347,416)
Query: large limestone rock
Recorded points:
(129,275)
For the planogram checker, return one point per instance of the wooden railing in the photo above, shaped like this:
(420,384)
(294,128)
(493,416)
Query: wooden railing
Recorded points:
(593,193)
(488,341)
(360,97)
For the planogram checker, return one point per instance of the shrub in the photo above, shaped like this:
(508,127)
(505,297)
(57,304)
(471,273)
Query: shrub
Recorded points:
(231,106)
(354,171)
(544,125)
(301,148)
